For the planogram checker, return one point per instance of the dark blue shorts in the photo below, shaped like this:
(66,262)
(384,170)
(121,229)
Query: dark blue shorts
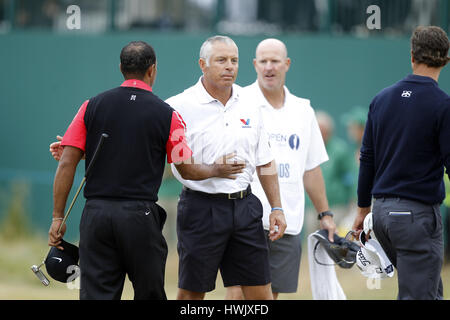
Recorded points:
(220,234)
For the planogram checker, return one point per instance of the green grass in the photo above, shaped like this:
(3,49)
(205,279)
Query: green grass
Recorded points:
(17,281)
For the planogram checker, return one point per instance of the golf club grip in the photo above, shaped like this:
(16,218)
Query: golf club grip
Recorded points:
(100,143)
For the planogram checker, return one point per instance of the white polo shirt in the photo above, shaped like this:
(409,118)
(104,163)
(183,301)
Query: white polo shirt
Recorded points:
(297,145)
(213,130)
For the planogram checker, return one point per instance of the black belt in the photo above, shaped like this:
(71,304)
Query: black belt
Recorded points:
(231,196)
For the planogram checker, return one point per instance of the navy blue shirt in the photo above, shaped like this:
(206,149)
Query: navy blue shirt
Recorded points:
(406,143)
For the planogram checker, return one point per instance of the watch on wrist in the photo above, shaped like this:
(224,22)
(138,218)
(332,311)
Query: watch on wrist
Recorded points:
(325,213)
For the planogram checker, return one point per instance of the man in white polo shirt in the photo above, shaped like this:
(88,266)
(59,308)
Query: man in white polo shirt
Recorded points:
(219,222)
(299,150)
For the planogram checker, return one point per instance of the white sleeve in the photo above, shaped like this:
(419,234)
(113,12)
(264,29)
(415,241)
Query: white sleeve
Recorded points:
(317,153)
(171,101)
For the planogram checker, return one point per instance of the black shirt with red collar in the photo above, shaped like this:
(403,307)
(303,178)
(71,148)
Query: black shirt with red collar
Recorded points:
(142,131)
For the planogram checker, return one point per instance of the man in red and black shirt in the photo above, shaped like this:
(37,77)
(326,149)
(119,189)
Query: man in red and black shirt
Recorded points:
(121,225)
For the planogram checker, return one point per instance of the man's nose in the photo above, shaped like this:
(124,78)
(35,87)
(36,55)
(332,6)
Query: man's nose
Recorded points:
(269,66)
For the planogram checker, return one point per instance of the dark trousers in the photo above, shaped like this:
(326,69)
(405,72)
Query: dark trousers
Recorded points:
(410,233)
(119,238)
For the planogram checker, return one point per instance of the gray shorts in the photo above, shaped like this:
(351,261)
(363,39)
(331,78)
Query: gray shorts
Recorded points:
(284,258)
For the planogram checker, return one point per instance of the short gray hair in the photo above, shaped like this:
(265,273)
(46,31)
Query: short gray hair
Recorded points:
(206,48)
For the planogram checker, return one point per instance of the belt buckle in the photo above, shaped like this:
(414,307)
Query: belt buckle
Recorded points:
(240,195)
(230,197)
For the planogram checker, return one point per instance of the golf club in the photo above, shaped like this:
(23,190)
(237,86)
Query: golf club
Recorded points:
(37,269)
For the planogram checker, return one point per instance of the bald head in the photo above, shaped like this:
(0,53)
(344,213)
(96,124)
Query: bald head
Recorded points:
(271,64)
(273,45)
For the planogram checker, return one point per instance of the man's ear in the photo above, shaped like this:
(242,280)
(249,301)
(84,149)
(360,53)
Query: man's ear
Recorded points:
(288,63)
(151,73)
(202,63)
(152,70)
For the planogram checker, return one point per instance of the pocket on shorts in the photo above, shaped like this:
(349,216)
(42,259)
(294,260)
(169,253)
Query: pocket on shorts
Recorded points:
(180,211)
(255,207)
(193,213)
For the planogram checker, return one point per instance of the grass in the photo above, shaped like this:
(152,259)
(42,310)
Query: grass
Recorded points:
(17,281)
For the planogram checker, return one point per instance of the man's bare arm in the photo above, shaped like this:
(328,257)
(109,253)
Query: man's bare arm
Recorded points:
(268,178)
(63,181)
(315,187)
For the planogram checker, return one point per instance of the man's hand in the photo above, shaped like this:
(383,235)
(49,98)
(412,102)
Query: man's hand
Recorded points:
(227,168)
(358,223)
(277,225)
(327,223)
(54,238)
(56,149)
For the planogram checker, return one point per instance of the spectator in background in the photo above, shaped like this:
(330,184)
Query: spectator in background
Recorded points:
(292,15)
(38,13)
(337,171)
(2,10)
(345,14)
(355,121)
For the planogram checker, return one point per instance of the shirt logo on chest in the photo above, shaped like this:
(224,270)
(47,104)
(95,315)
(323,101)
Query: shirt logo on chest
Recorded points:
(285,140)
(294,142)
(406,94)
(246,123)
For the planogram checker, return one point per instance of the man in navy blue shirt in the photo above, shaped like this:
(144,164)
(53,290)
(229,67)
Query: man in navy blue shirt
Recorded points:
(405,148)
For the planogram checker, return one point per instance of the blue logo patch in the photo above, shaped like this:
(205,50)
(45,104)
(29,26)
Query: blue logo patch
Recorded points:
(294,142)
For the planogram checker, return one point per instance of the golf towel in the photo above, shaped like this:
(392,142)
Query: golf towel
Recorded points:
(324,282)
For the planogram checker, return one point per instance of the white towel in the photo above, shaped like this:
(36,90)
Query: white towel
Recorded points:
(324,282)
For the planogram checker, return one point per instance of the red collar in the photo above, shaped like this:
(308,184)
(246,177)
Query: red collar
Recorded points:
(134,83)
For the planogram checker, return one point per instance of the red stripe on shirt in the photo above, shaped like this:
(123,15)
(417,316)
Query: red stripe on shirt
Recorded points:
(176,147)
(75,135)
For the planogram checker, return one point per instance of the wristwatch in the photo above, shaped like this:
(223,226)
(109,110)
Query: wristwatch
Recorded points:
(325,213)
